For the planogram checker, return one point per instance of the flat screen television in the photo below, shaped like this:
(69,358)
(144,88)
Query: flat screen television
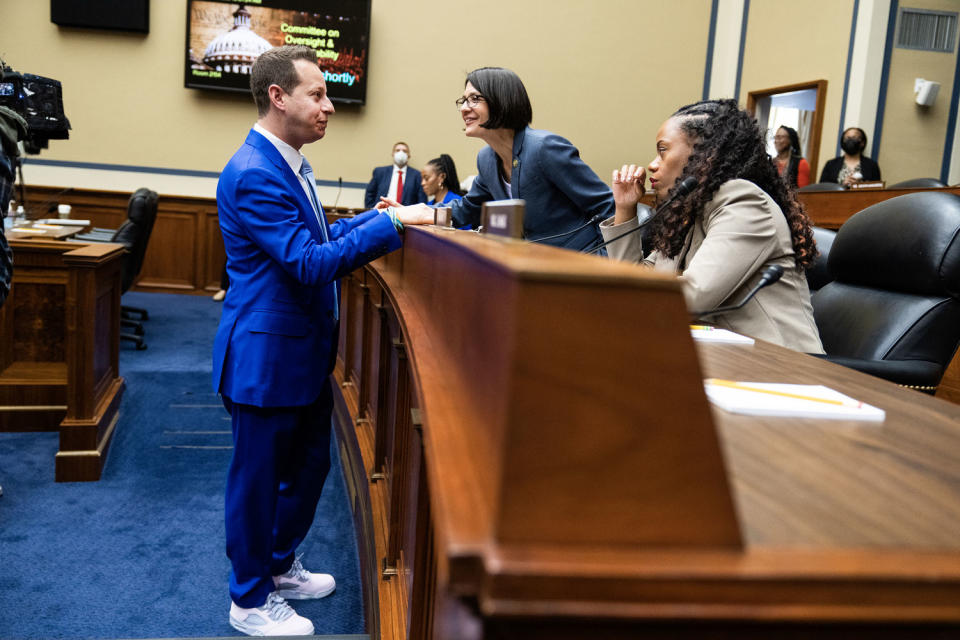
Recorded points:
(224,39)
(129,15)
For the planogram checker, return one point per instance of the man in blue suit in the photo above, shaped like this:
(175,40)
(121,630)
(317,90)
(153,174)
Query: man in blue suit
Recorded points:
(399,176)
(276,344)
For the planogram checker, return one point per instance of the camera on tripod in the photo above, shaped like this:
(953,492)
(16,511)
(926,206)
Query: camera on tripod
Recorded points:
(39,101)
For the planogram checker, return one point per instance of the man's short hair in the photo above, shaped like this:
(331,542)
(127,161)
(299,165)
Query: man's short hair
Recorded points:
(400,142)
(505,95)
(275,66)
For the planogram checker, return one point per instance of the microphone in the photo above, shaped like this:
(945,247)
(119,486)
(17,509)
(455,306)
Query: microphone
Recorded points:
(339,189)
(43,206)
(687,185)
(594,220)
(769,275)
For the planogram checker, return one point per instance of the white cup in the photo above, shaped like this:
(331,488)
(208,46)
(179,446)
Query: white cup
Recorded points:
(63,211)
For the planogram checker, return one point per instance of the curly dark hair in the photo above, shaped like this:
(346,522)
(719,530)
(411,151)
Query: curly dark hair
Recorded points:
(445,165)
(727,144)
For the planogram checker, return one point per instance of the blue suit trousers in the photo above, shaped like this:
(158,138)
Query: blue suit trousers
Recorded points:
(281,457)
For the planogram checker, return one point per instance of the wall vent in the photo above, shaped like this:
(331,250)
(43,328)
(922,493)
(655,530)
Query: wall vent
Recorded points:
(927,30)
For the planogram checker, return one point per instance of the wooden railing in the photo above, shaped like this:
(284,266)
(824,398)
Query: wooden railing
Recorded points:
(60,353)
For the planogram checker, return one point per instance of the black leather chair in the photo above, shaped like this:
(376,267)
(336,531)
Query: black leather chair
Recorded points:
(918,183)
(134,234)
(822,186)
(893,307)
(818,274)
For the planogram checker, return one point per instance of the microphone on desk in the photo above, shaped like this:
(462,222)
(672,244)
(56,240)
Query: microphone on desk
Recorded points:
(48,205)
(685,187)
(594,220)
(339,189)
(769,275)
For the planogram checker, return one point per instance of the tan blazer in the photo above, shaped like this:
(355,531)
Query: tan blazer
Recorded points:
(740,231)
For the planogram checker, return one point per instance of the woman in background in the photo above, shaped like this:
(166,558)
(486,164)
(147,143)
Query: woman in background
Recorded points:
(792,167)
(740,218)
(439,181)
(852,166)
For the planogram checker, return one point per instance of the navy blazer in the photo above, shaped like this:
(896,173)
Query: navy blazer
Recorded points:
(560,190)
(380,182)
(277,340)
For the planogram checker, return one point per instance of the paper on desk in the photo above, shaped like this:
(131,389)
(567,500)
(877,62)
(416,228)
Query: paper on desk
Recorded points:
(769,399)
(703,333)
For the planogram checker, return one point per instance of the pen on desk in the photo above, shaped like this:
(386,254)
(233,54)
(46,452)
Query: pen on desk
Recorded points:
(701,327)
(737,385)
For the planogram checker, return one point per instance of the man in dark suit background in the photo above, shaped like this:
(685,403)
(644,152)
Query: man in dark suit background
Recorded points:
(276,344)
(399,181)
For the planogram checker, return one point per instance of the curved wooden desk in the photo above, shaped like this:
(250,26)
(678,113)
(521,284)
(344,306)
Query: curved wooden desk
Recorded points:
(530,454)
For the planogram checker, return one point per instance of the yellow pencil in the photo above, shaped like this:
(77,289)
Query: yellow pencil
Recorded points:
(737,385)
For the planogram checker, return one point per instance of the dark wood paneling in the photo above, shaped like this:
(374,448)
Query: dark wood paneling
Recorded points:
(168,262)
(185,253)
(64,312)
(40,327)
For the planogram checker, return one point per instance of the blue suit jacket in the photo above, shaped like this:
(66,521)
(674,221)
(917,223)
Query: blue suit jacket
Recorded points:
(276,344)
(380,182)
(560,190)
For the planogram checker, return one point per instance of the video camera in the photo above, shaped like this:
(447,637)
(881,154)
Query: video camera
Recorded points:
(39,101)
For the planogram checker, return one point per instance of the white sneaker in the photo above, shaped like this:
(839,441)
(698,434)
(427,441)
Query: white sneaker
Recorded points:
(274,618)
(299,584)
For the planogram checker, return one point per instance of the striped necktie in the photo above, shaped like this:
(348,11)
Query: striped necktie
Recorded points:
(307,172)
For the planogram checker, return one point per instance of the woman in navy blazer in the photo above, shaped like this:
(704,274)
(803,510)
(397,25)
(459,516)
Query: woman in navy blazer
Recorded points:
(565,199)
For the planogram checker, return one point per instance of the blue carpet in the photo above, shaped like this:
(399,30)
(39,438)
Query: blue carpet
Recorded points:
(140,554)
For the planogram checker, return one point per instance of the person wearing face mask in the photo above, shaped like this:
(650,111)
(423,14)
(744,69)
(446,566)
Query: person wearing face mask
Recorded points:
(852,166)
(740,218)
(399,181)
(562,194)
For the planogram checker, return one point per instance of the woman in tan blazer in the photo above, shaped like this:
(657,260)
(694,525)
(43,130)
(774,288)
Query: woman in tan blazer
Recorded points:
(739,219)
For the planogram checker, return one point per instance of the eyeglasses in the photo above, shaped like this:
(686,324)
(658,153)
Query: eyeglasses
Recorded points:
(472,100)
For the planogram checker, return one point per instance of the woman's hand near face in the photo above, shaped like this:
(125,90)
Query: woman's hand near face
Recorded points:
(627,187)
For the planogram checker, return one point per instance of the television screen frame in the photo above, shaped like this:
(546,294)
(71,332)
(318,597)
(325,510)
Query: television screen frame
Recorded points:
(130,15)
(312,33)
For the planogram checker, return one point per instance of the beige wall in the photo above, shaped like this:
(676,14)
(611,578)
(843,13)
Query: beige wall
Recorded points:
(604,75)
(597,77)
(913,137)
(784,47)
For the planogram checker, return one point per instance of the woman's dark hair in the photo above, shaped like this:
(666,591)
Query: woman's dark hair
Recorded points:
(863,135)
(794,139)
(727,144)
(505,96)
(444,164)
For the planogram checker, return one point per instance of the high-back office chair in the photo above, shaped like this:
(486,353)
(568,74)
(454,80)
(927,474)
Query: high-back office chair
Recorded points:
(818,274)
(133,234)
(822,186)
(893,307)
(918,183)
